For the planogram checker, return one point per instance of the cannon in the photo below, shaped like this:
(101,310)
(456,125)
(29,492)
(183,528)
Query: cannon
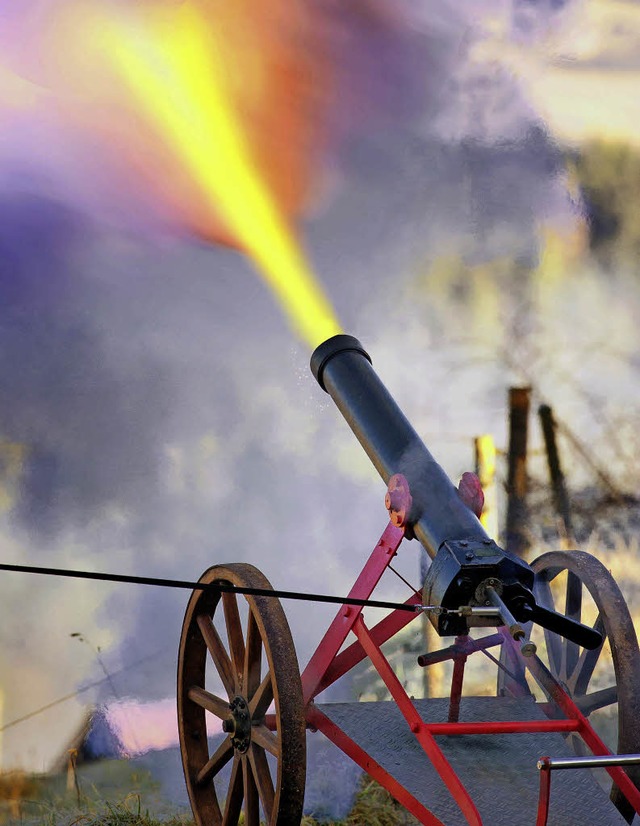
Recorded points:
(469,569)
(566,651)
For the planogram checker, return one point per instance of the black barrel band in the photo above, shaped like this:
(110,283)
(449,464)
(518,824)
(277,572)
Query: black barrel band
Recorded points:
(333,346)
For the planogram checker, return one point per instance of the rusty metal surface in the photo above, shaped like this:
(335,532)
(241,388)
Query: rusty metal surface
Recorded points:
(248,646)
(498,770)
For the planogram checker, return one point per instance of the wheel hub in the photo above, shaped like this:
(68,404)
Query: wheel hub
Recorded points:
(239,724)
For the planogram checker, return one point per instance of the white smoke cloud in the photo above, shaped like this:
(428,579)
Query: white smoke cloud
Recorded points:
(170,423)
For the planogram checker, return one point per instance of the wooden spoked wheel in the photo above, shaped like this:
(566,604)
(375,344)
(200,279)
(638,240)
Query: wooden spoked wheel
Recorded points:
(605,683)
(236,666)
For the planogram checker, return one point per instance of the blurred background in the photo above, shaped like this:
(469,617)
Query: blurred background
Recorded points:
(463,179)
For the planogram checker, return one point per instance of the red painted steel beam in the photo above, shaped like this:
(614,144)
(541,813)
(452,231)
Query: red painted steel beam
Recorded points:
(469,646)
(546,679)
(459,662)
(545,792)
(346,617)
(380,633)
(502,727)
(421,732)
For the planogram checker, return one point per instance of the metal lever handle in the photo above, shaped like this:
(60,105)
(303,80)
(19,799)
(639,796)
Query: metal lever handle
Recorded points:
(527,648)
(582,635)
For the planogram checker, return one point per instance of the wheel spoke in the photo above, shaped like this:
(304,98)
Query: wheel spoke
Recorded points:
(554,652)
(233,803)
(210,702)
(218,653)
(552,641)
(597,699)
(251,800)
(253,657)
(587,662)
(266,739)
(234,633)
(220,758)
(262,776)
(573,610)
(262,699)
(573,600)
(217,814)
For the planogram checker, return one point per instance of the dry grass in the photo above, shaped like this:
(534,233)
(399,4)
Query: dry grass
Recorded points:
(374,806)
(45,806)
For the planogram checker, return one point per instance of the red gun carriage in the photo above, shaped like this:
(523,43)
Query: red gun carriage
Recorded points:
(540,719)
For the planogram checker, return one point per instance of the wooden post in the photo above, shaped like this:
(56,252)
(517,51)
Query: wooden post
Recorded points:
(560,496)
(517,541)
(432,675)
(485,461)
(72,774)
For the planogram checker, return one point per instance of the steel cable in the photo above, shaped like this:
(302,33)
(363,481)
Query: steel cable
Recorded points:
(213,586)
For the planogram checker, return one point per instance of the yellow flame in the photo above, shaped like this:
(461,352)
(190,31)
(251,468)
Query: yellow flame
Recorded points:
(170,65)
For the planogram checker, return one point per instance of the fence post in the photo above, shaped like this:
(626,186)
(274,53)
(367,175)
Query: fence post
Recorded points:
(517,540)
(560,496)
(485,461)
(72,773)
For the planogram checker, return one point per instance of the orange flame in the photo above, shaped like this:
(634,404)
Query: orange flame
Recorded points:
(209,104)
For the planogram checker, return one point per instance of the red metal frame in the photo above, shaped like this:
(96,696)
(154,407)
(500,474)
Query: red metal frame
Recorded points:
(544,796)
(329,662)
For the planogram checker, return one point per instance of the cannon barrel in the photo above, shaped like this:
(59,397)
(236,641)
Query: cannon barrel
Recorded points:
(469,568)
(343,368)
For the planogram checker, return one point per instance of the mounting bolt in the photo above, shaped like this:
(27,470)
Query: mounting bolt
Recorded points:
(398,500)
(228,726)
(415,727)
(486,542)
(469,555)
(464,543)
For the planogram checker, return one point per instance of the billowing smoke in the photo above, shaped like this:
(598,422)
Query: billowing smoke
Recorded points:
(166,418)
(66,401)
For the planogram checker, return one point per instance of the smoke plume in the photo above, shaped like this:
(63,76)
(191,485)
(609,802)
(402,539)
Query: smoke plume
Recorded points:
(166,419)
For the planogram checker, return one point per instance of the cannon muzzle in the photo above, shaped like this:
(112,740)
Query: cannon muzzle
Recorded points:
(343,368)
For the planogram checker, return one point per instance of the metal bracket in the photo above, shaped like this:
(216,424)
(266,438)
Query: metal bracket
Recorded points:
(398,500)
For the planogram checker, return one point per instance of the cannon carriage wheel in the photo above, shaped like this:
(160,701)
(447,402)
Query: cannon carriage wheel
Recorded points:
(236,663)
(578,585)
